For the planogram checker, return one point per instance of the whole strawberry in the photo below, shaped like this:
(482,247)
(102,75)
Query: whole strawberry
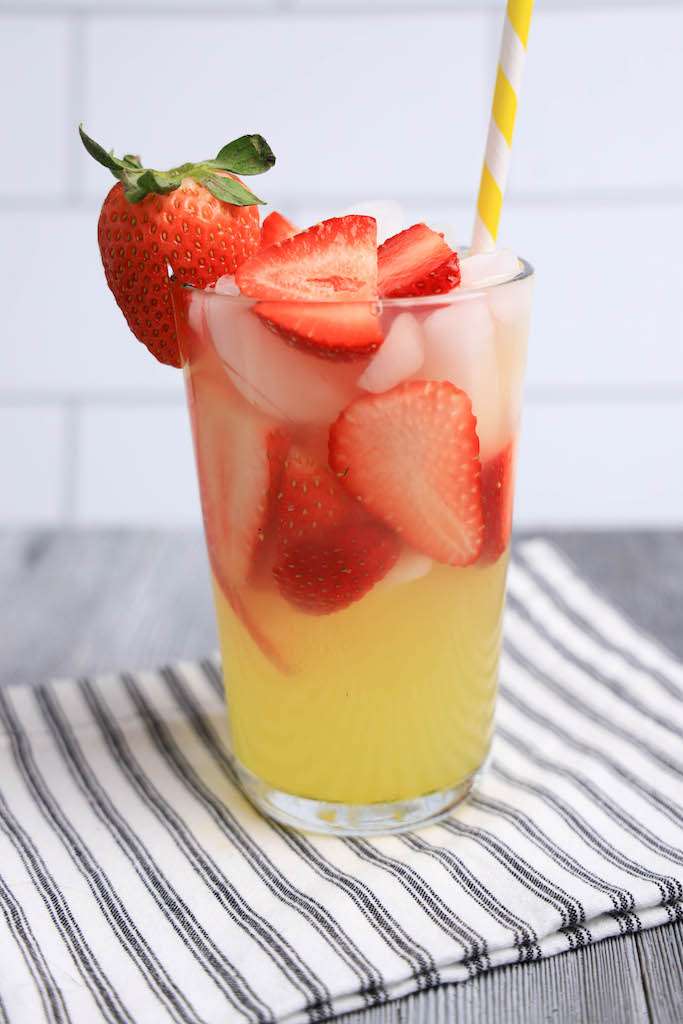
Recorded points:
(199,220)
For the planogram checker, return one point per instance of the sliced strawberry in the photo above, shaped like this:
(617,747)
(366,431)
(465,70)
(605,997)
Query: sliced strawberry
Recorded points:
(238,604)
(276,228)
(411,456)
(416,261)
(497,492)
(239,456)
(314,284)
(310,501)
(332,330)
(334,260)
(323,578)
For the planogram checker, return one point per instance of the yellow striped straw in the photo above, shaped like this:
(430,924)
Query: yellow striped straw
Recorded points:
(494,173)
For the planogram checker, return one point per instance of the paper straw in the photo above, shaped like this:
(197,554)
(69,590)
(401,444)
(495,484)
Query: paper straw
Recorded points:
(494,173)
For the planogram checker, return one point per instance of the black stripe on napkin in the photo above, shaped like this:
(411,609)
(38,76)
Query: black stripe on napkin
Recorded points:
(18,925)
(262,931)
(420,962)
(108,1000)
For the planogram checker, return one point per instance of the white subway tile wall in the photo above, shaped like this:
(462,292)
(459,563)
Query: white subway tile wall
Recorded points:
(33,462)
(64,331)
(34,84)
(359,99)
(617,449)
(136,465)
(601,101)
(355,104)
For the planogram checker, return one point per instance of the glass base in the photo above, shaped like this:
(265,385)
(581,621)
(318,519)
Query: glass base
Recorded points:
(341,819)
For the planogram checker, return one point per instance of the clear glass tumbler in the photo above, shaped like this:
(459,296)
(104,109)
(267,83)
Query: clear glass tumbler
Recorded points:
(375,716)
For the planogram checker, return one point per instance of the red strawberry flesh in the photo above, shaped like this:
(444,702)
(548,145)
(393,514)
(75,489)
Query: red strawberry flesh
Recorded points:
(497,493)
(335,260)
(411,455)
(323,578)
(239,455)
(313,288)
(276,228)
(415,262)
(310,501)
(341,331)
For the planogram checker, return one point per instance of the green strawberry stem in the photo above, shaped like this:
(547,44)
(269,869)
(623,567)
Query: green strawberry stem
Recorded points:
(250,154)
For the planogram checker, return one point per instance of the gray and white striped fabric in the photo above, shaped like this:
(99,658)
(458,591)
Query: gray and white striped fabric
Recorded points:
(137,885)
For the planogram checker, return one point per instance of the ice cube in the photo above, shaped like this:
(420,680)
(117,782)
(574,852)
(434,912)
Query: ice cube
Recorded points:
(226,285)
(511,346)
(276,378)
(449,232)
(195,313)
(486,268)
(400,356)
(511,303)
(389,214)
(510,306)
(460,347)
(411,565)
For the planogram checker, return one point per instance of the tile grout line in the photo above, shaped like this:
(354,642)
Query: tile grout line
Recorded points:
(71,460)
(543,395)
(75,107)
(297,8)
(662,195)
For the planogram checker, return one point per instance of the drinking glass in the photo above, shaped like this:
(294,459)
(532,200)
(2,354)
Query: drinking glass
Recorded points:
(376,717)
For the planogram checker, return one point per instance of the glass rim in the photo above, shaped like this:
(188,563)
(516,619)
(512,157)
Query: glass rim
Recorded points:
(526,271)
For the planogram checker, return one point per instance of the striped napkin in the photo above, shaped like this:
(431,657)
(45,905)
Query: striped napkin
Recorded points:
(137,885)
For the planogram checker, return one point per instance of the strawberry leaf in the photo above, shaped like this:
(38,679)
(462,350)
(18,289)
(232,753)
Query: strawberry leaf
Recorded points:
(156,181)
(230,191)
(140,183)
(100,154)
(250,154)
(133,192)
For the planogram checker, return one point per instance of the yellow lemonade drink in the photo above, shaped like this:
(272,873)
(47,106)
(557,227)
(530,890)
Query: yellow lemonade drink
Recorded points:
(357,511)
(389,699)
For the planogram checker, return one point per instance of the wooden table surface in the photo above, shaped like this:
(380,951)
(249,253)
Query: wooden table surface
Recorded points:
(82,602)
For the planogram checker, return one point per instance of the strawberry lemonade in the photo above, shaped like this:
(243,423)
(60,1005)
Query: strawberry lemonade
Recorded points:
(355,406)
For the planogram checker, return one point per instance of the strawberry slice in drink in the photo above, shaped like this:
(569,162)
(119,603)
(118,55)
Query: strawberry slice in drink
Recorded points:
(417,261)
(310,501)
(240,454)
(239,603)
(334,330)
(317,288)
(497,493)
(328,553)
(323,577)
(276,228)
(411,455)
(335,260)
